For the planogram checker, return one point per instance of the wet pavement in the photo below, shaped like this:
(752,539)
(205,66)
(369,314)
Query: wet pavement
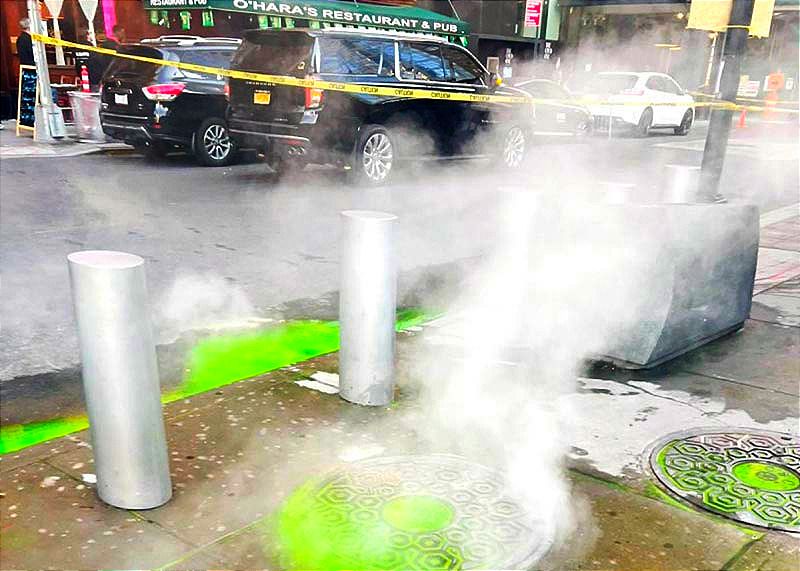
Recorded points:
(232,243)
(239,451)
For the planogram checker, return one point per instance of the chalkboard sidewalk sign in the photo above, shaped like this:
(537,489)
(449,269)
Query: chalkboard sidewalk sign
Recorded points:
(26,102)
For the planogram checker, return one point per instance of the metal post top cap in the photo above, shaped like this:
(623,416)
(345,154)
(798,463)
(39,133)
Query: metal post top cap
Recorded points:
(369,215)
(105,259)
(687,167)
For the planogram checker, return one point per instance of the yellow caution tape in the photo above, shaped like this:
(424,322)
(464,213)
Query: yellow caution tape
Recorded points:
(381,90)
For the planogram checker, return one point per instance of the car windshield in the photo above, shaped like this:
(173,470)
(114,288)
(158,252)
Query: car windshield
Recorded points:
(211,57)
(283,53)
(123,66)
(609,84)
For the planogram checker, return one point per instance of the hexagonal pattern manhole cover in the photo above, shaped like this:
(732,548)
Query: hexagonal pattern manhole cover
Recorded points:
(749,476)
(410,512)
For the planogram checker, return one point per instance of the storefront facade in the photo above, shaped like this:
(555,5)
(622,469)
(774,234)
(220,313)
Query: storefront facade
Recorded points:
(652,35)
(523,34)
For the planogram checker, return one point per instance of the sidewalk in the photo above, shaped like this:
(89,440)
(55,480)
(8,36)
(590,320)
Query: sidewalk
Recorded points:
(239,451)
(24,147)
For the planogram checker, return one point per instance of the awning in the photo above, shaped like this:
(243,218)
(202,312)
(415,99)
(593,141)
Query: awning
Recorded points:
(410,19)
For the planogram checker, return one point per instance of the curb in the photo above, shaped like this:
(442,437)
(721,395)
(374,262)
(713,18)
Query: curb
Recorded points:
(8,152)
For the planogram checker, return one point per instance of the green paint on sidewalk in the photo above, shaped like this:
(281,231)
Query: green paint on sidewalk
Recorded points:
(318,529)
(18,436)
(215,362)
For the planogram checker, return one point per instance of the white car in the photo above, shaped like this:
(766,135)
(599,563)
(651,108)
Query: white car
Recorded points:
(639,100)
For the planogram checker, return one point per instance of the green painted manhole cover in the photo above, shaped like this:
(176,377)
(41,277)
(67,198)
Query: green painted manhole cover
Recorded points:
(749,476)
(410,512)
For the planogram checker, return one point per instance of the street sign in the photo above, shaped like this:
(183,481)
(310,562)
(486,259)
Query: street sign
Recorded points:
(26,98)
(533,13)
(748,87)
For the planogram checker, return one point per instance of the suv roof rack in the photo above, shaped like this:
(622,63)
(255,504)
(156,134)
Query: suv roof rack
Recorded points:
(381,33)
(189,40)
(223,40)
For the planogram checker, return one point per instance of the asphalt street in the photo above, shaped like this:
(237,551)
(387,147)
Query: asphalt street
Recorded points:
(228,244)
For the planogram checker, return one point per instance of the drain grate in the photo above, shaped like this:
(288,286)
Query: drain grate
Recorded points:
(410,512)
(749,476)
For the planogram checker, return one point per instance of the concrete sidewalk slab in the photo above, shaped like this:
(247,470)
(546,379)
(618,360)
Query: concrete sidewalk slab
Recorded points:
(775,267)
(750,357)
(53,521)
(779,305)
(773,552)
(24,147)
(783,235)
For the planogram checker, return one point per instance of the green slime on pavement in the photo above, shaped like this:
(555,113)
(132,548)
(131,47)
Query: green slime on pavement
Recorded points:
(215,362)
(766,476)
(326,536)
(417,514)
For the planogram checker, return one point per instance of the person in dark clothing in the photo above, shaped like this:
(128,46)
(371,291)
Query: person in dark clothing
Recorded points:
(98,63)
(25,44)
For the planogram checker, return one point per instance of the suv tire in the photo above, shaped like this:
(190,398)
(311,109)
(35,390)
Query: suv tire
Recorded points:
(686,123)
(213,146)
(375,157)
(514,147)
(645,122)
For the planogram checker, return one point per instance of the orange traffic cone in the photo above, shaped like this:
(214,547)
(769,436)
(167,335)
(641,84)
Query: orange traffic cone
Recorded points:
(85,80)
(742,115)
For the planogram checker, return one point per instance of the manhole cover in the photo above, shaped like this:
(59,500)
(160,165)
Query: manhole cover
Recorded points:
(410,512)
(750,476)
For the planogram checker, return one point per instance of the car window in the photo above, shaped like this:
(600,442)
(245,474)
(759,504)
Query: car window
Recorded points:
(220,58)
(123,66)
(422,62)
(357,56)
(609,84)
(654,83)
(279,53)
(462,67)
(670,86)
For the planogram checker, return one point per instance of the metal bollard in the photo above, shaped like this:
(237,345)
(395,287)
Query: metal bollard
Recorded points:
(683,184)
(120,379)
(367,305)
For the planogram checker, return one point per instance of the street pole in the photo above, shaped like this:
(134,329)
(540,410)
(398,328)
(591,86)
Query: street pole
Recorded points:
(719,125)
(49,120)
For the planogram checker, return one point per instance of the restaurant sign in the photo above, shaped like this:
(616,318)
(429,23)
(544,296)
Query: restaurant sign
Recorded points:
(343,13)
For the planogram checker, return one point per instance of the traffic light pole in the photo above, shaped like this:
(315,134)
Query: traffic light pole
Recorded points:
(719,126)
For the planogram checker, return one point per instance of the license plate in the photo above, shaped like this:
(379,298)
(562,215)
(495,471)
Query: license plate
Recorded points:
(261,97)
(121,99)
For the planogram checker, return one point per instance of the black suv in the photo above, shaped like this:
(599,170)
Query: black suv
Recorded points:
(157,108)
(369,133)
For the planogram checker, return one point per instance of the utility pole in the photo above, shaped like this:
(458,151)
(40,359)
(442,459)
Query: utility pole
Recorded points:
(719,126)
(49,120)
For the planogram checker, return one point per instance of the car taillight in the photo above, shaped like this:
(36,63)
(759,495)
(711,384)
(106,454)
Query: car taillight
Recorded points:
(633,92)
(163,91)
(313,97)
(227,91)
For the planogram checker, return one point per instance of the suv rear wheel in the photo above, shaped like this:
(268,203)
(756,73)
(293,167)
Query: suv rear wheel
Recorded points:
(213,146)
(515,146)
(375,155)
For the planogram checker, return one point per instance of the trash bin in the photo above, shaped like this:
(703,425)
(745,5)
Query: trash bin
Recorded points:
(86,111)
